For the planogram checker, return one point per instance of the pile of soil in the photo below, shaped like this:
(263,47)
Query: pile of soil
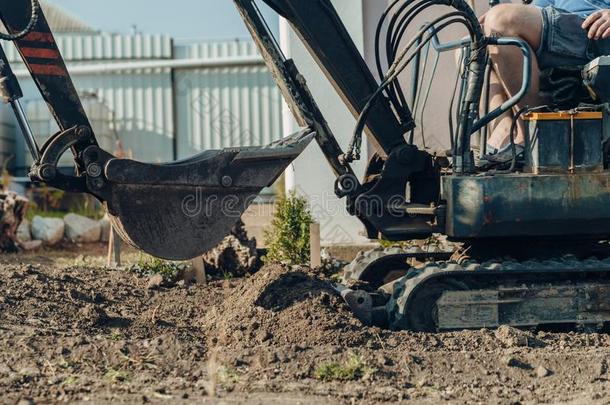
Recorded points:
(281,306)
(83,333)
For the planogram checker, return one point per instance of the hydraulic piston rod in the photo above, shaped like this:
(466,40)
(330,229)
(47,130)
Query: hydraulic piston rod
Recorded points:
(10,92)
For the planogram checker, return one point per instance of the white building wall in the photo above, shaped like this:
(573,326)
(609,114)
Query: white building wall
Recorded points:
(312,175)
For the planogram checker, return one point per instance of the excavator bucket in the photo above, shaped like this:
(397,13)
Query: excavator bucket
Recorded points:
(181,210)
(174,211)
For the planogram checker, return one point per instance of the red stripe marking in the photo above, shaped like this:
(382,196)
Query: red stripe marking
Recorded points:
(48,70)
(40,53)
(39,37)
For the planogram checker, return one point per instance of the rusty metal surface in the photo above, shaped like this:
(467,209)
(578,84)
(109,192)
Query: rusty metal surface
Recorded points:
(539,305)
(448,296)
(526,204)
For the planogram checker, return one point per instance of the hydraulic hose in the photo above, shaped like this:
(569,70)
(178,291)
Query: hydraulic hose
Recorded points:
(33,20)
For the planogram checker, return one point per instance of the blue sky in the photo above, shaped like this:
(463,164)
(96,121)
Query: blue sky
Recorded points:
(178,18)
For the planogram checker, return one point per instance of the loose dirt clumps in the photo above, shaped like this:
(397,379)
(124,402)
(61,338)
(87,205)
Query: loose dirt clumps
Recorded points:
(283,306)
(82,333)
(511,337)
(236,255)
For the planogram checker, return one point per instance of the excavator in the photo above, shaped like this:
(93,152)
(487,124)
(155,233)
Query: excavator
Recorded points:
(529,236)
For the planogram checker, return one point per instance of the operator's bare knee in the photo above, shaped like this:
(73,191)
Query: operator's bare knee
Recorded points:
(515,20)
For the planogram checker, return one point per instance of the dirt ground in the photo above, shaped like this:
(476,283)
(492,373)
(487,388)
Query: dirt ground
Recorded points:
(73,331)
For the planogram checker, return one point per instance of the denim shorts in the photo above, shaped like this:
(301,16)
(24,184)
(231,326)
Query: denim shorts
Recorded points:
(564,42)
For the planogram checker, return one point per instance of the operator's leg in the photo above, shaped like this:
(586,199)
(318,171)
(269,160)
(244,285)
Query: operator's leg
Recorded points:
(500,127)
(525,22)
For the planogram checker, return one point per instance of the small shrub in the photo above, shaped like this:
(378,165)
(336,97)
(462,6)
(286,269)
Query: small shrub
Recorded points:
(355,368)
(287,238)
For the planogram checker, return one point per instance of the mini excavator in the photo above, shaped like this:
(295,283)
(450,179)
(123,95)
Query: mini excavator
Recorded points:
(530,234)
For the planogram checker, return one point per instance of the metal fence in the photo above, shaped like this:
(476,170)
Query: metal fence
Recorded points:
(160,105)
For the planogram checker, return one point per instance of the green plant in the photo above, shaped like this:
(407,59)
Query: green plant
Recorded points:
(148,266)
(354,368)
(115,375)
(287,238)
(71,380)
(227,376)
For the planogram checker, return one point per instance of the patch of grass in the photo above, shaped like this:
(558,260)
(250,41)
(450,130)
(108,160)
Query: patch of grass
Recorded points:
(390,244)
(35,212)
(148,266)
(49,202)
(354,368)
(287,239)
(115,336)
(227,376)
(115,375)
(69,381)
(219,375)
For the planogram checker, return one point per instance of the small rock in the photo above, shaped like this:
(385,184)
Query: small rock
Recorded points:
(155,282)
(23,233)
(264,336)
(5,369)
(384,360)
(48,230)
(26,401)
(81,229)
(31,245)
(542,372)
(601,368)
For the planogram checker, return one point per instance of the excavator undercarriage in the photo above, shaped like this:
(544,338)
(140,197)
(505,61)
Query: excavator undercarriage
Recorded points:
(515,231)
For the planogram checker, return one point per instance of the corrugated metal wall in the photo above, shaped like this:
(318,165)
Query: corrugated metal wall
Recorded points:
(202,108)
(223,107)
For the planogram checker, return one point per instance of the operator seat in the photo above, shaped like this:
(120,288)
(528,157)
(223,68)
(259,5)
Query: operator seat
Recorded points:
(570,86)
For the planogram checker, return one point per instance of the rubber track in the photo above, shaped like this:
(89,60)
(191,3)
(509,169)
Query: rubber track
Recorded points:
(401,301)
(376,257)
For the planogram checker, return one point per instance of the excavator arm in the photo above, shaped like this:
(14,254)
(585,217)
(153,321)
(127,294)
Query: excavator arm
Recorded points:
(182,209)
(379,201)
